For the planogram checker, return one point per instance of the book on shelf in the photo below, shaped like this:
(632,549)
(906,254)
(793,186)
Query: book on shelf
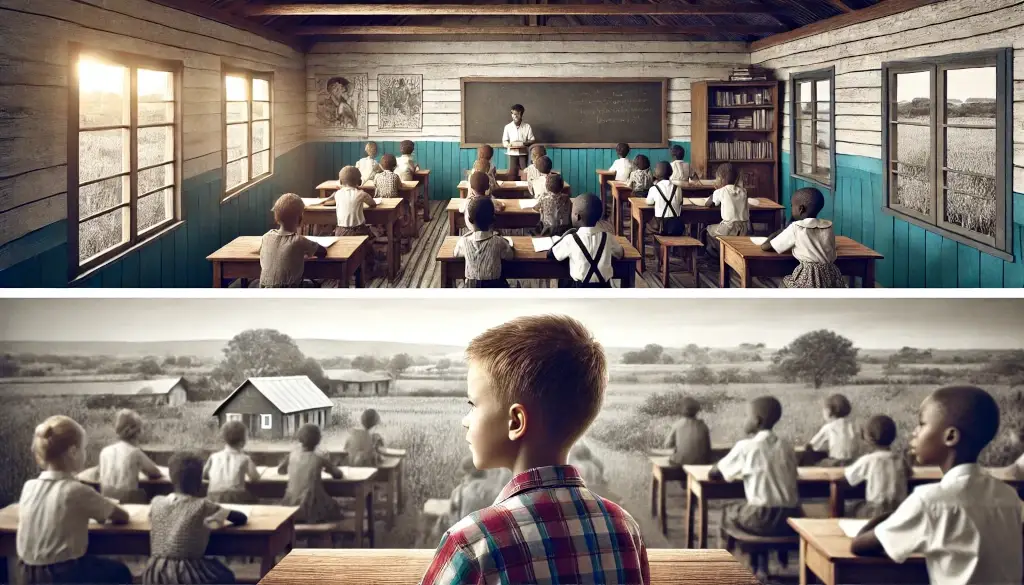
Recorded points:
(742,149)
(725,99)
(750,73)
(757,120)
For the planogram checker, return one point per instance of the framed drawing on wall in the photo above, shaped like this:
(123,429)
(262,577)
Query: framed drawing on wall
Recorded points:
(341,101)
(399,102)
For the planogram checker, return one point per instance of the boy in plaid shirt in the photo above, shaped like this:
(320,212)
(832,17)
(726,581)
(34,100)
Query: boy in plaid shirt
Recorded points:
(535,384)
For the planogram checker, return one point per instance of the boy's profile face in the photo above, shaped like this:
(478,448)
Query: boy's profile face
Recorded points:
(487,423)
(931,442)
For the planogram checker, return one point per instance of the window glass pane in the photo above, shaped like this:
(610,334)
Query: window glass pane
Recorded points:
(912,143)
(803,158)
(804,98)
(102,153)
(913,97)
(156,177)
(971,149)
(156,145)
(155,86)
(975,211)
(803,131)
(260,136)
(260,110)
(913,189)
(260,163)
(102,233)
(103,91)
(261,90)
(237,173)
(824,135)
(824,90)
(237,112)
(824,159)
(234,87)
(156,113)
(971,96)
(238,141)
(103,195)
(155,208)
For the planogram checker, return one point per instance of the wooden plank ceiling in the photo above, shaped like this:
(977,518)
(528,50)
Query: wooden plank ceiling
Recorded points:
(302,22)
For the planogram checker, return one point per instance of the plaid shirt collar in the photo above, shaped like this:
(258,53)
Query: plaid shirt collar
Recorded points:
(555,476)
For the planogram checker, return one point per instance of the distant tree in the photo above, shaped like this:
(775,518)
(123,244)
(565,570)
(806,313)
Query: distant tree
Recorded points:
(184,361)
(443,364)
(729,376)
(700,376)
(150,367)
(651,354)
(366,363)
(422,360)
(400,363)
(1009,364)
(667,359)
(257,353)
(8,366)
(170,361)
(819,357)
(311,369)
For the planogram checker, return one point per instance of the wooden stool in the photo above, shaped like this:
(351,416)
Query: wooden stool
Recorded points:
(689,246)
(759,548)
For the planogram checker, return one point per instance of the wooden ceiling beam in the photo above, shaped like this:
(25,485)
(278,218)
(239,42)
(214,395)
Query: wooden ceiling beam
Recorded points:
(843,6)
(224,17)
(530,31)
(321,9)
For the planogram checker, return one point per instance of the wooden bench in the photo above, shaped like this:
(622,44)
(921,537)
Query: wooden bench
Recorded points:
(322,535)
(760,548)
(664,249)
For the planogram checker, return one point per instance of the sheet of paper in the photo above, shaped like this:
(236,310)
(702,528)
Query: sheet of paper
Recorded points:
(311,200)
(695,201)
(754,202)
(378,200)
(324,241)
(509,240)
(851,527)
(527,203)
(542,244)
(758,240)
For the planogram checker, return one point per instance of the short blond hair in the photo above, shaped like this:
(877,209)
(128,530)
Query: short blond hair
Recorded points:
(549,363)
(349,176)
(54,437)
(288,209)
(128,425)
(371,148)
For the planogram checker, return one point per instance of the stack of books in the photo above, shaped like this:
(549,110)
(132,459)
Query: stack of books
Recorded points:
(762,97)
(742,150)
(718,121)
(750,73)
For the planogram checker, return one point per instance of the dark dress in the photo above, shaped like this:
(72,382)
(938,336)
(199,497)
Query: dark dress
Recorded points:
(306,489)
(179,535)
(85,570)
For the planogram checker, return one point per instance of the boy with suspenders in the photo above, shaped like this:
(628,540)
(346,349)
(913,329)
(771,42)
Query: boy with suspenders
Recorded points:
(667,200)
(588,249)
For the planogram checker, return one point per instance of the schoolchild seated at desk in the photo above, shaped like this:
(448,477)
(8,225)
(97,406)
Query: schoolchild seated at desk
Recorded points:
(283,251)
(479,188)
(883,471)
(486,152)
(554,207)
(813,242)
(483,249)
(667,200)
(532,172)
(588,249)
(406,164)
(622,166)
(368,166)
(537,186)
(305,484)
(121,462)
(228,468)
(689,438)
(838,437)
(680,168)
(735,207)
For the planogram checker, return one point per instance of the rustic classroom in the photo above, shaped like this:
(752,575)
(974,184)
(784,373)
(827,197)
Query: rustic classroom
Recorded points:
(833,143)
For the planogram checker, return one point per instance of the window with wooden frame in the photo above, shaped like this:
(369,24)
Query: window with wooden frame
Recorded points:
(946,143)
(124,153)
(247,129)
(812,107)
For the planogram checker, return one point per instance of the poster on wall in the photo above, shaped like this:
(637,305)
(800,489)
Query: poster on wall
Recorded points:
(400,102)
(341,101)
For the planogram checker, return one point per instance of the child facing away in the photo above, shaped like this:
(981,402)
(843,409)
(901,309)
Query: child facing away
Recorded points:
(689,438)
(538,186)
(228,468)
(767,464)
(480,165)
(479,188)
(838,438)
(181,523)
(968,525)
(305,485)
(735,208)
(486,152)
(554,207)
(407,163)
(680,168)
(283,250)
(121,462)
(884,472)
(349,200)
(536,151)
(588,249)
(667,200)
(388,185)
(640,180)
(548,370)
(482,248)
(54,512)
(622,166)
(368,166)
(362,444)
(813,242)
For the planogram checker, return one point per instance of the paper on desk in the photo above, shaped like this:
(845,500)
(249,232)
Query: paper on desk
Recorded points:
(758,240)
(851,527)
(324,241)
(695,200)
(509,240)
(513,183)
(543,244)
(527,203)
(378,200)
(311,201)
(754,202)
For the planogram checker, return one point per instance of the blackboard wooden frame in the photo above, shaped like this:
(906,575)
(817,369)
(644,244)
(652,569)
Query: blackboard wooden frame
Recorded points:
(664,107)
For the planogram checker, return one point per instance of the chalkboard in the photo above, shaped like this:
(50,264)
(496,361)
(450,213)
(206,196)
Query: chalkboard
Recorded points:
(596,112)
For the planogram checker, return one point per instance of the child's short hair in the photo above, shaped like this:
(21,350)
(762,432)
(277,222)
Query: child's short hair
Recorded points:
(371,148)
(662,170)
(622,149)
(388,162)
(589,208)
(518,108)
(543,164)
(972,411)
(54,437)
(233,433)
(369,418)
(469,469)
(768,409)
(128,423)
(485,152)
(406,147)
(642,162)
(690,406)
(678,152)
(551,364)
(838,406)
(480,213)
(308,436)
(186,472)
(554,183)
(726,173)
(349,176)
(288,209)
(811,198)
(880,430)
(537,151)
(479,181)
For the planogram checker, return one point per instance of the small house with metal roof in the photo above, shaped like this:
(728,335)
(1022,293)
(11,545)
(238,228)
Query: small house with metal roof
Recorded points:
(358,383)
(275,407)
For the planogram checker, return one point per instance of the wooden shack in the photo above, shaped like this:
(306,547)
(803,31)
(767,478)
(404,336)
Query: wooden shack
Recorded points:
(358,383)
(275,407)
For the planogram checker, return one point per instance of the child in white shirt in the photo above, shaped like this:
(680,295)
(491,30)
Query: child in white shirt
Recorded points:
(229,468)
(406,163)
(350,200)
(588,249)
(885,472)
(536,151)
(838,438)
(538,185)
(622,166)
(813,242)
(735,209)
(368,166)
(680,168)
(667,200)
(121,462)
(968,525)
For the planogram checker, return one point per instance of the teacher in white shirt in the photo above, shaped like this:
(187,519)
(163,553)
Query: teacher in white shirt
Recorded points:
(517,138)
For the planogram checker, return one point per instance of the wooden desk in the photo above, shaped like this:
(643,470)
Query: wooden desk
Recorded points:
(663,471)
(507,190)
(423,176)
(405,566)
(621,193)
(603,177)
(399,472)
(269,532)
(514,216)
(407,192)
(385,214)
(749,260)
(825,553)
(388,477)
(641,213)
(530,264)
(240,258)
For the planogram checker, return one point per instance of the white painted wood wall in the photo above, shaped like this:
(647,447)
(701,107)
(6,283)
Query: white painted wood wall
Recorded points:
(34,73)
(444,63)
(858,51)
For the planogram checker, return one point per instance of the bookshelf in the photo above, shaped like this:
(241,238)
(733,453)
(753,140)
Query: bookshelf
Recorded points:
(738,122)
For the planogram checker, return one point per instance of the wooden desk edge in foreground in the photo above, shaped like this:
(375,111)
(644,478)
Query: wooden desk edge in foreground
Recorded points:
(401,566)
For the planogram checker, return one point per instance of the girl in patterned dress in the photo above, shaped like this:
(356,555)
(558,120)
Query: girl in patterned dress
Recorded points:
(305,485)
(388,186)
(554,207)
(180,526)
(812,241)
(640,180)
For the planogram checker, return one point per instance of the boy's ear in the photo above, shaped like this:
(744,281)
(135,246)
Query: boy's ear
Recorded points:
(951,436)
(517,420)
